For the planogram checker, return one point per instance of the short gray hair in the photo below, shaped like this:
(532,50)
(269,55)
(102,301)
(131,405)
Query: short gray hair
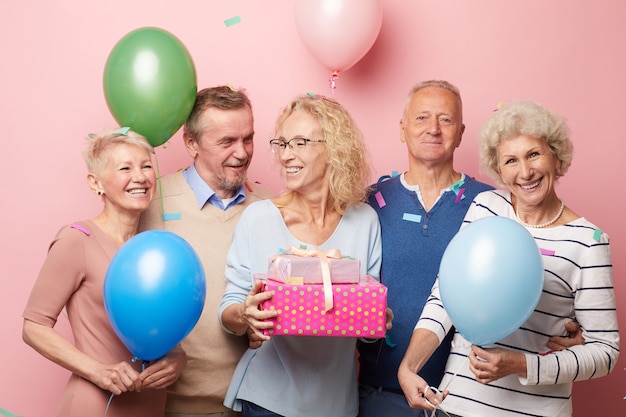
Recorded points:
(99,143)
(445,85)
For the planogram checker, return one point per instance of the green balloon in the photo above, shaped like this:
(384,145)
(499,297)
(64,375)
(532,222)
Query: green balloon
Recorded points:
(150,83)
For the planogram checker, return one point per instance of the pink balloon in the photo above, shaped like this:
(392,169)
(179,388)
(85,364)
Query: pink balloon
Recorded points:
(338,32)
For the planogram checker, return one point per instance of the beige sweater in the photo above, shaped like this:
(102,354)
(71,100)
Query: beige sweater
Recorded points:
(212,353)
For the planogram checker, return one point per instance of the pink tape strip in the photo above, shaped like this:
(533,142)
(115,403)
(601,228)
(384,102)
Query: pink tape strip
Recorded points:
(459,196)
(546,252)
(380,199)
(81,228)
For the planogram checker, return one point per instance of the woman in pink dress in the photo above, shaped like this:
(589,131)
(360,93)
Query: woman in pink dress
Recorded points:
(104,379)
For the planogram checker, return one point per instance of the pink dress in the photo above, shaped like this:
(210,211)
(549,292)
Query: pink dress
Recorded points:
(72,276)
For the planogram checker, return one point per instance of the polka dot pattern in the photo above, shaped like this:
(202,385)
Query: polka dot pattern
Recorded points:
(358,309)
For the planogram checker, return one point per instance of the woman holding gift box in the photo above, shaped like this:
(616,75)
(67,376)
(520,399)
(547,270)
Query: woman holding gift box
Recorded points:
(322,160)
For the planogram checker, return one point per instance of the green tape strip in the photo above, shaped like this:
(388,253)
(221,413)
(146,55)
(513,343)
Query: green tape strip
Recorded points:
(232,21)
(597,234)
(7,413)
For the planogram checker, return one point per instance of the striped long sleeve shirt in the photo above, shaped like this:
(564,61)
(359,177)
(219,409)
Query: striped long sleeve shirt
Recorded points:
(578,285)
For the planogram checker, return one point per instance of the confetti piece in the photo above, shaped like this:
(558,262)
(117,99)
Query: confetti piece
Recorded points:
(310,94)
(232,21)
(412,217)
(597,234)
(386,177)
(546,252)
(171,216)
(81,228)
(248,186)
(380,199)
(459,195)
(389,343)
(457,185)
(7,413)
(229,85)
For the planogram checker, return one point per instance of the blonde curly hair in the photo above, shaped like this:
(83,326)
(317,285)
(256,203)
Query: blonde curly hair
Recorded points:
(346,155)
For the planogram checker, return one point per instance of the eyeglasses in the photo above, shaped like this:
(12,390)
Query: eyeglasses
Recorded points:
(295,144)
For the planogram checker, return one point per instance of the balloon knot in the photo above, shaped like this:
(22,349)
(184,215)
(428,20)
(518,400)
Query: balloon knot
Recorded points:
(333,78)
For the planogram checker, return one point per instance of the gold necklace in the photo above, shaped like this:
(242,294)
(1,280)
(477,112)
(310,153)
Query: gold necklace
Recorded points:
(542,225)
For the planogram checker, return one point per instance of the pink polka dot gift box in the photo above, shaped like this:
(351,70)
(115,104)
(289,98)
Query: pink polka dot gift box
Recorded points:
(344,310)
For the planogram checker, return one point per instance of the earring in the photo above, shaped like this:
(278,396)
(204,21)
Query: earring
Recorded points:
(99,192)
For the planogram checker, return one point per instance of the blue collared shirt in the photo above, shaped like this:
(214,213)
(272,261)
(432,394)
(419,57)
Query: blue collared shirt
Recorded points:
(204,194)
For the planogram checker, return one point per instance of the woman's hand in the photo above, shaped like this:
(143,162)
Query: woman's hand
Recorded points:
(417,392)
(165,371)
(389,318)
(492,364)
(117,378)
(248,318)
(255,318)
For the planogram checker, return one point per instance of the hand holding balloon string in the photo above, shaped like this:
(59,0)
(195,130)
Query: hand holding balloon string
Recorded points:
(117,378)
(165,371)
(489,365)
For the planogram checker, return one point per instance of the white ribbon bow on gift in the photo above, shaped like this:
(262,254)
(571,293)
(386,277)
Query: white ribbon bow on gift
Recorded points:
(325,264)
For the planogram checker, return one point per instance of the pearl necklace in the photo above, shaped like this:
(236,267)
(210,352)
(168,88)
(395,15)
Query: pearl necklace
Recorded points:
(542,225)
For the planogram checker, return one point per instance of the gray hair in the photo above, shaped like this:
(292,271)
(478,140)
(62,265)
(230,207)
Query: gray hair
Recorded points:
(438,84)
(524,118)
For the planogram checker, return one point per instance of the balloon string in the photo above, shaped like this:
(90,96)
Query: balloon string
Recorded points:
(156,161)
(445,387)
(106,410)
(143,368)
(332,80)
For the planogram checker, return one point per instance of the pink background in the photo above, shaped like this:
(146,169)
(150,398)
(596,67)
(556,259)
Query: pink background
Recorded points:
(568,55)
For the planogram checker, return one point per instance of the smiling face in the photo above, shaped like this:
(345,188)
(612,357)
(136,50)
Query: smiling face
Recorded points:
(432,126)
(127,179)
(224,149)
(304,170)
(529,169)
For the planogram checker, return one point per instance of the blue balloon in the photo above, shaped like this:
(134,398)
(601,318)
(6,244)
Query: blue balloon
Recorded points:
(490,279)
(154,292)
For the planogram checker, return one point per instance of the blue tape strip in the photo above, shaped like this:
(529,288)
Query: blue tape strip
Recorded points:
(412,217)
(171,216)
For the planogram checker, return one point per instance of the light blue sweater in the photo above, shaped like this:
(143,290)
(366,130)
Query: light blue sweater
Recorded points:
(294,375)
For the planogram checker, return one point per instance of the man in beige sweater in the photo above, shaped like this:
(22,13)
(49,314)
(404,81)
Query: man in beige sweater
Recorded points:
(202,204)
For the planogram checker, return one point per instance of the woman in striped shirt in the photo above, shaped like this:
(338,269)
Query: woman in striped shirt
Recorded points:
(526,148)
